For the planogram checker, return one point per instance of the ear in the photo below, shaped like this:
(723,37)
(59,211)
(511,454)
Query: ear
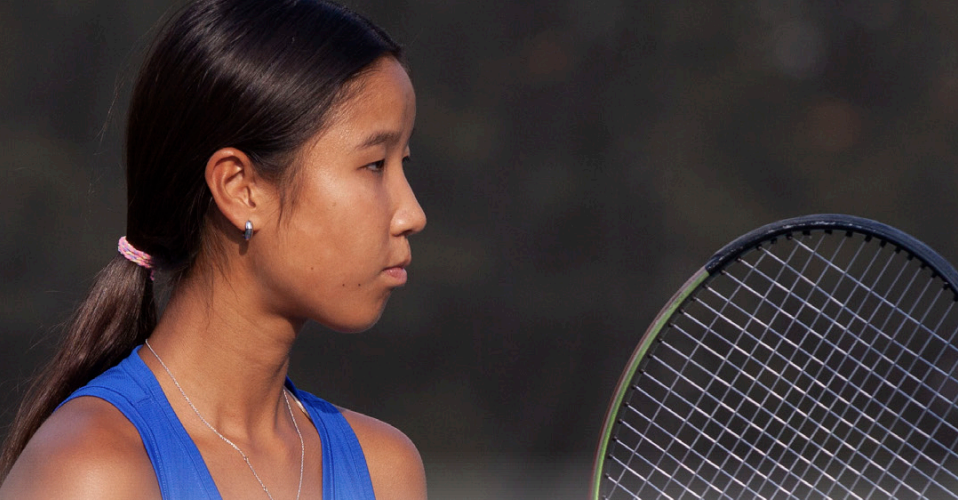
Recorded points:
(239,193)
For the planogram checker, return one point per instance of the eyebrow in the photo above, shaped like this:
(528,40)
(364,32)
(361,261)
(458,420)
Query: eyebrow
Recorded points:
(382,137)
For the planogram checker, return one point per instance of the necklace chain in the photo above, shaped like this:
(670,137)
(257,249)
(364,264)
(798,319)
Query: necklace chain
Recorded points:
(302,445)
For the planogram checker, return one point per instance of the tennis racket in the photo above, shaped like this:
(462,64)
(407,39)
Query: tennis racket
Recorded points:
(813,358)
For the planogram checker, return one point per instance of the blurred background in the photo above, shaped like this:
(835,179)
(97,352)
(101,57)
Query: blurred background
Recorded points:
(577,160)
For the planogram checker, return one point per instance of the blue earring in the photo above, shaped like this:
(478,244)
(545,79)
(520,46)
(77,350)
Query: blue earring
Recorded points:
(248,233)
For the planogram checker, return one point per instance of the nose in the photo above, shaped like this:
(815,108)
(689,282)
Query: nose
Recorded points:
(409,218)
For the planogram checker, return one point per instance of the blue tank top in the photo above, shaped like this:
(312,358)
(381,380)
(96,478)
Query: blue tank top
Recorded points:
(131,387)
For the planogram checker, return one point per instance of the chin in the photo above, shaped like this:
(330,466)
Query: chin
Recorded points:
(351,317)
(353,325)
(352,328)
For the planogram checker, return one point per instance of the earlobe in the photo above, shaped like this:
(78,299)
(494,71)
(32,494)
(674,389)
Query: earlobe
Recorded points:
(234,185)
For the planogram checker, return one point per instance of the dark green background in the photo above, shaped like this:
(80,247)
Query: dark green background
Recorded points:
(577,161)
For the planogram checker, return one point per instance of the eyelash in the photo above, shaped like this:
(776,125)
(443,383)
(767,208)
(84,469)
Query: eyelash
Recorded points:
(378,166)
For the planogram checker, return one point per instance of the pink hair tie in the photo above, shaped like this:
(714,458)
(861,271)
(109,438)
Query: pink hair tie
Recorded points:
(135,256)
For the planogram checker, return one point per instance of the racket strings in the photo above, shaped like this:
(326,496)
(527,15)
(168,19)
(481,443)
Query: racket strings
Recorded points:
(782,400)
(910,313)
(656,467)
(732,409)
(758,343)
(784,315)
(834,322)
(692,453)
(716,440)
(717,466)
(720,314)
(899,306)
(896,306)
(898,332)
(849,424)
(919,322)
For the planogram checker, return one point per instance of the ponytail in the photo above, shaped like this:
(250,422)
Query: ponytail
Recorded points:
(117,315)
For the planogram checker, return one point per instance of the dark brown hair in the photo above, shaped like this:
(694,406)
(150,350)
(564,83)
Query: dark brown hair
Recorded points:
(260,76)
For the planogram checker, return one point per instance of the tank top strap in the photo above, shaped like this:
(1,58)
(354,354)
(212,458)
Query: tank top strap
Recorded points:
(131,387)
(345,473)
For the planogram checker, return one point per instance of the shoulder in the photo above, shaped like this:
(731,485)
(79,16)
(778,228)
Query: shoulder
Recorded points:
(394,463)
(86,449)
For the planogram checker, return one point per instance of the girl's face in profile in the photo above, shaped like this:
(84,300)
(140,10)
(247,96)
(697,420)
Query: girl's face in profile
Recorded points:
(341,245)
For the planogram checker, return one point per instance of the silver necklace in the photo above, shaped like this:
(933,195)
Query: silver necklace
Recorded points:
(302,445)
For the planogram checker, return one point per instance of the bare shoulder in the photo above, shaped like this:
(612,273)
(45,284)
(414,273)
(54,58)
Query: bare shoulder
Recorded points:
(394,463)
(87,449)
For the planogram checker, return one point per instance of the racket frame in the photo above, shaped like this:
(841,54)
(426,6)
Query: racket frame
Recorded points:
(728,254)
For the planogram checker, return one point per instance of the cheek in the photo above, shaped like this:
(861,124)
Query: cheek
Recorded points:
(330,277)
(341,242)
(329,254)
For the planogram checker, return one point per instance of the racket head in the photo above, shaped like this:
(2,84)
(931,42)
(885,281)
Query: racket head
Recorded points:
(794,324)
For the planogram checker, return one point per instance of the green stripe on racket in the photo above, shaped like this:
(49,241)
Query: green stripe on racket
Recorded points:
(812,358)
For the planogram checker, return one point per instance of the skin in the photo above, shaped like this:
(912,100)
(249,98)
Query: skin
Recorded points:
(332,255)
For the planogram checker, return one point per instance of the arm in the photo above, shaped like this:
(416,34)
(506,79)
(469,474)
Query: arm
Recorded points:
(395,466)
(86,450)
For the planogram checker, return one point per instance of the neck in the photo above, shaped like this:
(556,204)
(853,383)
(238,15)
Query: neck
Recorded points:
(229,356)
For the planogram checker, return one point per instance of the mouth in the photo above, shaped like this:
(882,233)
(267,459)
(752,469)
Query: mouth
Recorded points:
(397,272)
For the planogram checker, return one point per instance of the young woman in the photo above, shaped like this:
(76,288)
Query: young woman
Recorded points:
(265,150)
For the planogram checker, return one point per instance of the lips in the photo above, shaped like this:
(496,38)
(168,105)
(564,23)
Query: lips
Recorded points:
(397,273)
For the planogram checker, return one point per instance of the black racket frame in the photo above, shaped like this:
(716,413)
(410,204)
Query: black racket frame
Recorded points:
(769,233)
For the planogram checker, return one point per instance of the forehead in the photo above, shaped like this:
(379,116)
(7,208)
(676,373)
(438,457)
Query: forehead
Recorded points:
(381,97)
(378,109)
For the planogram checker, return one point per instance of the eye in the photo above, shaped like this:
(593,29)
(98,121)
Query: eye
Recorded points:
(376,166)
(406,160)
